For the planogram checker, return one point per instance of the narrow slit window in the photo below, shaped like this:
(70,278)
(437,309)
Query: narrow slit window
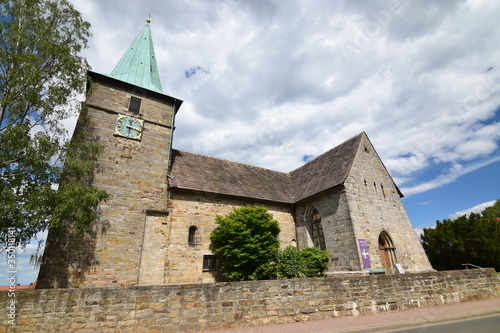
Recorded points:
(135,105)
(192,236)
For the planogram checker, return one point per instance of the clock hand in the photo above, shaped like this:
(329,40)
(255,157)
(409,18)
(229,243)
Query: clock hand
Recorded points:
(134,128)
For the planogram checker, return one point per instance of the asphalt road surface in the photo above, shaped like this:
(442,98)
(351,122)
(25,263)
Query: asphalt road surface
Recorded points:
(489,324)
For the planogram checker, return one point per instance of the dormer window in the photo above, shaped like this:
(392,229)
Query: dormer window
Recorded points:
(134,105)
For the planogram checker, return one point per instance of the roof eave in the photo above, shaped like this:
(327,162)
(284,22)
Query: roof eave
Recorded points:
(137,90)
(230,195)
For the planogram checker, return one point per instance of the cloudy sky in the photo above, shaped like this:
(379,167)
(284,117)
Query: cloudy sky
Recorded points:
(276,83)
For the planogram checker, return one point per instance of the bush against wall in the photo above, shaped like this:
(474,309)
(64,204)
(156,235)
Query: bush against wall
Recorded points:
(291,264)
(246,243)
(308,262)
(315,260)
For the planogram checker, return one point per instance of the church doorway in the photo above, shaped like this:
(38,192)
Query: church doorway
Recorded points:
(387,251)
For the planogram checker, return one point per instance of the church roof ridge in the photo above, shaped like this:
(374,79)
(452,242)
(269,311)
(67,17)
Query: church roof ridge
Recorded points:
(138,65)
(192,171)
(357,136)
(325,171)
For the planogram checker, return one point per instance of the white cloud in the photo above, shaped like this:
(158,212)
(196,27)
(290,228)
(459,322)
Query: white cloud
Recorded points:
(476,209)
(283,80)
(449,176)
(419,232)
(286,80)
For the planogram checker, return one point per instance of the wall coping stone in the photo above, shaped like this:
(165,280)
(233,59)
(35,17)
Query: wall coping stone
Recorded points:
(194,307)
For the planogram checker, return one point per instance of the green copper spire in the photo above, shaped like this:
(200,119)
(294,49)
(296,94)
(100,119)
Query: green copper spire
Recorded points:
(138,65)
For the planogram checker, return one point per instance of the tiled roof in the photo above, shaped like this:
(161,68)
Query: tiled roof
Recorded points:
(209,174)
(325,171)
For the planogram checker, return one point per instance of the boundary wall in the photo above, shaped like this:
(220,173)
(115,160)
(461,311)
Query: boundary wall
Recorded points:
(191,307)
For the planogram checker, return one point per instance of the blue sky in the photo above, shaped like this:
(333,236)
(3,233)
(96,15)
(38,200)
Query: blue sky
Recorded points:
(466,192)
(276,83)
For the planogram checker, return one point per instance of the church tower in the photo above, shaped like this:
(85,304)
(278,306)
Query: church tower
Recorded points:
(133,119)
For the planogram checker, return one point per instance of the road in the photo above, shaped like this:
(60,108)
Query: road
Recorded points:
(490,324)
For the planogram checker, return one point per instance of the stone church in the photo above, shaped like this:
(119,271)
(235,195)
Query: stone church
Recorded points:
(155,227)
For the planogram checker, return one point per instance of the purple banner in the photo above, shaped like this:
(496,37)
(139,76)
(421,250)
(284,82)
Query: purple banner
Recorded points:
(364,253)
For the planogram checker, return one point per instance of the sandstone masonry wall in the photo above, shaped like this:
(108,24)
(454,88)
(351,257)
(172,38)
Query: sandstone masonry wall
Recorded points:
(188,307)
(181,262)
(134,173)
(337,229)
(375,206)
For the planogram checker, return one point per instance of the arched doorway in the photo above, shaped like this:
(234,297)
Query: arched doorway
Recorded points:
(387,251)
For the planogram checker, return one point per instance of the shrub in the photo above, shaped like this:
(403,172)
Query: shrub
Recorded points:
(291,264)
(315,260)
(246,242)
(309,262)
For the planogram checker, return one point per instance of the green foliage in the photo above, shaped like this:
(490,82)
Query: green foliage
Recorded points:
(468,239)
(246,242)
(492,211)
(315,260)
(41,73)
(291,264)
(309,262)
(76,198)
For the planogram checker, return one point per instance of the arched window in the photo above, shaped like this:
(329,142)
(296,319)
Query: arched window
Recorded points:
(317,233)
(387,251)
(192,235)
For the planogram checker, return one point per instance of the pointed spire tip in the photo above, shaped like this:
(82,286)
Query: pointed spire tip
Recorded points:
(138,65)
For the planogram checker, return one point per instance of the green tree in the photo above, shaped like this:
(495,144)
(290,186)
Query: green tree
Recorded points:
(41,75)
(246,243)
(492,211)
(471,239)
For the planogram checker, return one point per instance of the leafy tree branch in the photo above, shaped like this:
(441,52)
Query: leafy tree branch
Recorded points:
(45,179)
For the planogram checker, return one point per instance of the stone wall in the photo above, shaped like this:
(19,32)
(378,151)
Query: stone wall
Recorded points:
(337,229)
(188,307)
(181,262)
(375,206)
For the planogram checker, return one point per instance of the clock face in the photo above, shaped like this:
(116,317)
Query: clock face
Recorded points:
(129,127)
